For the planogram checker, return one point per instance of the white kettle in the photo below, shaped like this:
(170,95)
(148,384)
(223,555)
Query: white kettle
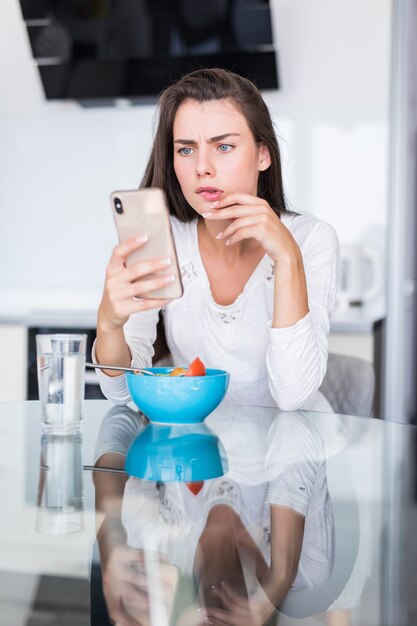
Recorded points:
(360,275)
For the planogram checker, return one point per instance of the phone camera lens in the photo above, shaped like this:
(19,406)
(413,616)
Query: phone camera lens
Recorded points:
(118,205)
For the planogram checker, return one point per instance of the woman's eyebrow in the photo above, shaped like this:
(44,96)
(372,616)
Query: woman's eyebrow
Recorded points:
(191,142)
(221,137)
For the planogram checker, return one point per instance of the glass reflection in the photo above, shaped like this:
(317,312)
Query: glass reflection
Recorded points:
(60,487)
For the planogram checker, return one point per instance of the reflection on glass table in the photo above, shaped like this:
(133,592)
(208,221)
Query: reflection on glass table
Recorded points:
(60,491)
(257,537)
(186,453)
(343,542)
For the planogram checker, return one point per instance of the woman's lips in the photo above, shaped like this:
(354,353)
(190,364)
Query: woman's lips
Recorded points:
(210,194)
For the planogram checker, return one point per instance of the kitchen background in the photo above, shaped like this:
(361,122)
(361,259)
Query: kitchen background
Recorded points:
(59,162)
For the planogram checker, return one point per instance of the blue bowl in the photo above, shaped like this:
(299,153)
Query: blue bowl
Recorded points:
(176,454)
(177,399)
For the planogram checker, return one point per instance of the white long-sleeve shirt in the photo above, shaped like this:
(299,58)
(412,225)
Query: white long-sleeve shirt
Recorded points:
(268,366)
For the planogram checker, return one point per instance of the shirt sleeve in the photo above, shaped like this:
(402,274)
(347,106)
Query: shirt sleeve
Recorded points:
(293,459)
(297,356)
(140,335)
(118,429)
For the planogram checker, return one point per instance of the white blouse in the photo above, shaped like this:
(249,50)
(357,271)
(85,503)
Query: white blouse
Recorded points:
(281,367)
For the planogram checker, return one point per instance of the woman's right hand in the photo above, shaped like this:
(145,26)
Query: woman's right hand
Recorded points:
(124,286)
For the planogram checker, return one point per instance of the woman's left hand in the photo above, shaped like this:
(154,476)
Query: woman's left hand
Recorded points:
(252,217)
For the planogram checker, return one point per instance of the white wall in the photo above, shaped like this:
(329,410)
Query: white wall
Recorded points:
(59,162)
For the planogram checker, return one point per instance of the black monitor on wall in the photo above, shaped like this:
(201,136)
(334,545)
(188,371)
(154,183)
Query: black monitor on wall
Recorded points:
(101,50)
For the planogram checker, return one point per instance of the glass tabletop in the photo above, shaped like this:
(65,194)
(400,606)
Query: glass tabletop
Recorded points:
(255,516)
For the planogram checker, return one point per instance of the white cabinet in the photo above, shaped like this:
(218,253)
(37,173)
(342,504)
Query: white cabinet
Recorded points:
(13,362)
(367,346)
(358,332)
(353,344)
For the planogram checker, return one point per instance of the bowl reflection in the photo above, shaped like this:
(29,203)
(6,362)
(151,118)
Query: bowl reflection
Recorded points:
(186,453)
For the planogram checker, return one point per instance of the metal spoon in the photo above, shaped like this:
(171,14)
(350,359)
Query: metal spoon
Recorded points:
(104,470)
(121,369)
(92,468)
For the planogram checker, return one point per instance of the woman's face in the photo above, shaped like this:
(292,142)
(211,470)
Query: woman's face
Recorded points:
(215,152)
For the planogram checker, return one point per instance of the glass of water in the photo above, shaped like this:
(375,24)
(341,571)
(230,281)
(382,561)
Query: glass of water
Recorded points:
(61,367)
(60,492)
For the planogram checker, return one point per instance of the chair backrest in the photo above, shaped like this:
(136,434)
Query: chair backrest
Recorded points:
(349,385)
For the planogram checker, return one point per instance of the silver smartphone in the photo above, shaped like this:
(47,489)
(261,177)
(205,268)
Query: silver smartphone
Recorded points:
(145,212)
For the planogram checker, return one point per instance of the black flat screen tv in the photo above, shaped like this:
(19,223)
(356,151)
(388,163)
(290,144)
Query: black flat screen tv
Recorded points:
(102,50)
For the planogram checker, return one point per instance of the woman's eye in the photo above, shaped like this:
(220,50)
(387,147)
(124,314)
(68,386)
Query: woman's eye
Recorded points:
(225,147)
(185,151)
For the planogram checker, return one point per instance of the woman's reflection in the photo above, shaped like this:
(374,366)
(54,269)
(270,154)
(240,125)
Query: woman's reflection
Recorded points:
(229,552)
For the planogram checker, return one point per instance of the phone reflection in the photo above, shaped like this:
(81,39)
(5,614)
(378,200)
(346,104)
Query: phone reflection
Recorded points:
(196,545)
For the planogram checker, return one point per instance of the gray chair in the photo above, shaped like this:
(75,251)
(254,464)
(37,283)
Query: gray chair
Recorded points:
(349,385)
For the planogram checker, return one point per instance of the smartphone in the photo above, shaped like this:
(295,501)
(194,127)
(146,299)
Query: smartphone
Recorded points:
(145,212)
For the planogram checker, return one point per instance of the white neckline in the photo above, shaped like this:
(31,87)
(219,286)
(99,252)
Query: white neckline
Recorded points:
(202,271)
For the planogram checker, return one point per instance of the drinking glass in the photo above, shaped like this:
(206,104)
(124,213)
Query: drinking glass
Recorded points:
(61,367)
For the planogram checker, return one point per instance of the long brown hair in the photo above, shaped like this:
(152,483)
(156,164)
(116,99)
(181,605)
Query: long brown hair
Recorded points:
(203,85)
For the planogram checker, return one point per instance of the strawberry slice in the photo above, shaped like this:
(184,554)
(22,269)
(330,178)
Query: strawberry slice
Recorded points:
(196,486)
(196,368)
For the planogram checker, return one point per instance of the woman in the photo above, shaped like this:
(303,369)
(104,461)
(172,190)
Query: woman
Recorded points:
(259,281)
